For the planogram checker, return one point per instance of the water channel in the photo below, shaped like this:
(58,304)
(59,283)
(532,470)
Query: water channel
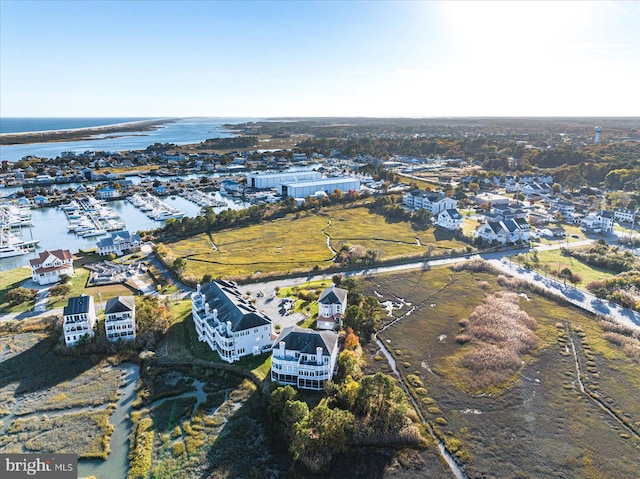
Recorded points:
(117,463)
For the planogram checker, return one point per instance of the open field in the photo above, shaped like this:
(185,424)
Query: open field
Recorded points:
(537,423)
(10,280)
(556,262)
(291,243)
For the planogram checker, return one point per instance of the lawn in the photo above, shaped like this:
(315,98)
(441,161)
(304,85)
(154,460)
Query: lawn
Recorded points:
(556,262)
(539,411)
(10,280)
(299,243)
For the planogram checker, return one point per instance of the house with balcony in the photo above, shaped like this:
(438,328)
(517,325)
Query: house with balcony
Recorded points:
(432,202)
(598,222)
(79,319)
(228,322)
(449,219)
(624,216)
(119,243)
(304,358)
(331,306)
(49,265)
(120,318)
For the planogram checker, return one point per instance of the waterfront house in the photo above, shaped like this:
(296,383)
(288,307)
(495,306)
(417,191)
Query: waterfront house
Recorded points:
(107,192)
(49,265)
(331,306)
(229,323)
(79,319)
(449,219)
(120,318)
(119,243)
(304,358)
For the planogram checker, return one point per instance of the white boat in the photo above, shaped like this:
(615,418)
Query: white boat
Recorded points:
(93,232)
(11,245)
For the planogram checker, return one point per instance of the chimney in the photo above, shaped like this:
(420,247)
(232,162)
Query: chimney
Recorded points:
(281,349)
(319,355)
(198,288)
(215,314)
(229,328)
(206,309)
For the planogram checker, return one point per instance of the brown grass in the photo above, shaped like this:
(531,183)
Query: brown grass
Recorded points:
(501,332)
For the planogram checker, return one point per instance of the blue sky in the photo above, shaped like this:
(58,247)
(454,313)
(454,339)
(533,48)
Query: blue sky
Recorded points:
(322,58)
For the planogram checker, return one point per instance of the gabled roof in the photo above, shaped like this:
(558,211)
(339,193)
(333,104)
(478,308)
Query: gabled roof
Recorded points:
(453,213)
(123,235)
(307,340)
(333,295)
(227,299)
(77,305)
(62,254)
(120,304)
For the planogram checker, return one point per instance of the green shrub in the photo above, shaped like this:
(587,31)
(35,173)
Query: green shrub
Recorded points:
(178,449)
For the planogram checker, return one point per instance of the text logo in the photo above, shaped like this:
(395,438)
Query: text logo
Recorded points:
(39,466)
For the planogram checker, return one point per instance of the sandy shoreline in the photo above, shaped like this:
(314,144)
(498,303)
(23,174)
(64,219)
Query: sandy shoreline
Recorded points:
(86,133)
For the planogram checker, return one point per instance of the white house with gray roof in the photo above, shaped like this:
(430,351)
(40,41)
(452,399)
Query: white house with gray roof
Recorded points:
(79,319)
(120,318)
(331,306)
(432,202)
(304,358)
(119,243)
(449,219)
(229,323)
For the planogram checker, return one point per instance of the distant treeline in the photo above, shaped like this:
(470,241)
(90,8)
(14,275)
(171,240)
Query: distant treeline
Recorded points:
(229,143)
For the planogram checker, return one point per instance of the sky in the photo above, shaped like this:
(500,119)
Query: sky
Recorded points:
(185,58)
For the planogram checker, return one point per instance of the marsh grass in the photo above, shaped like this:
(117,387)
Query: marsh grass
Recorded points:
(84,433)
(532,410)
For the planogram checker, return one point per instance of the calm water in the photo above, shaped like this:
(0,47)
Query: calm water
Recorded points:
(50,226)
(183,131)
(21,125)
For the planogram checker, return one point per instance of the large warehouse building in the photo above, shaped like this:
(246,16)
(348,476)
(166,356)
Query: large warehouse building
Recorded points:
(274,180)
(328,185)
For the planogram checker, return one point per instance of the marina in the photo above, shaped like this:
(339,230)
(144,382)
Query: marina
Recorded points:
(155,208)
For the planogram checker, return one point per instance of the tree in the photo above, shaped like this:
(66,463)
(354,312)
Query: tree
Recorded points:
(337,279)
(354,318)
(565,274)
(556,188)
(20,295)
(349,365)
(474,188)
(179,265)
(64,278)
(152,316)
(381,402)
(321,434)
(60,289)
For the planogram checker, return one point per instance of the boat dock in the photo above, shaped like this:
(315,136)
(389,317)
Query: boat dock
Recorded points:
(89,217)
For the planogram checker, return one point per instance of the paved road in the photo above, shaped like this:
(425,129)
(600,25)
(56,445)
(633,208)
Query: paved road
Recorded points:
(580,298)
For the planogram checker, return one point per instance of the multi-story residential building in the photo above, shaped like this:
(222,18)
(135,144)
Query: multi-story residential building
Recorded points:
(304,358)
(503,232)
(119,243)
(598,221)
(449,219)
(49,265)
(79,319)
(120,318)
(229,323)
(331,306)
(432,202)
(626,216)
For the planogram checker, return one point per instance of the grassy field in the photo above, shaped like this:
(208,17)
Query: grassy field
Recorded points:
(539,412)
(299,243)
(556,262)
(10,280)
